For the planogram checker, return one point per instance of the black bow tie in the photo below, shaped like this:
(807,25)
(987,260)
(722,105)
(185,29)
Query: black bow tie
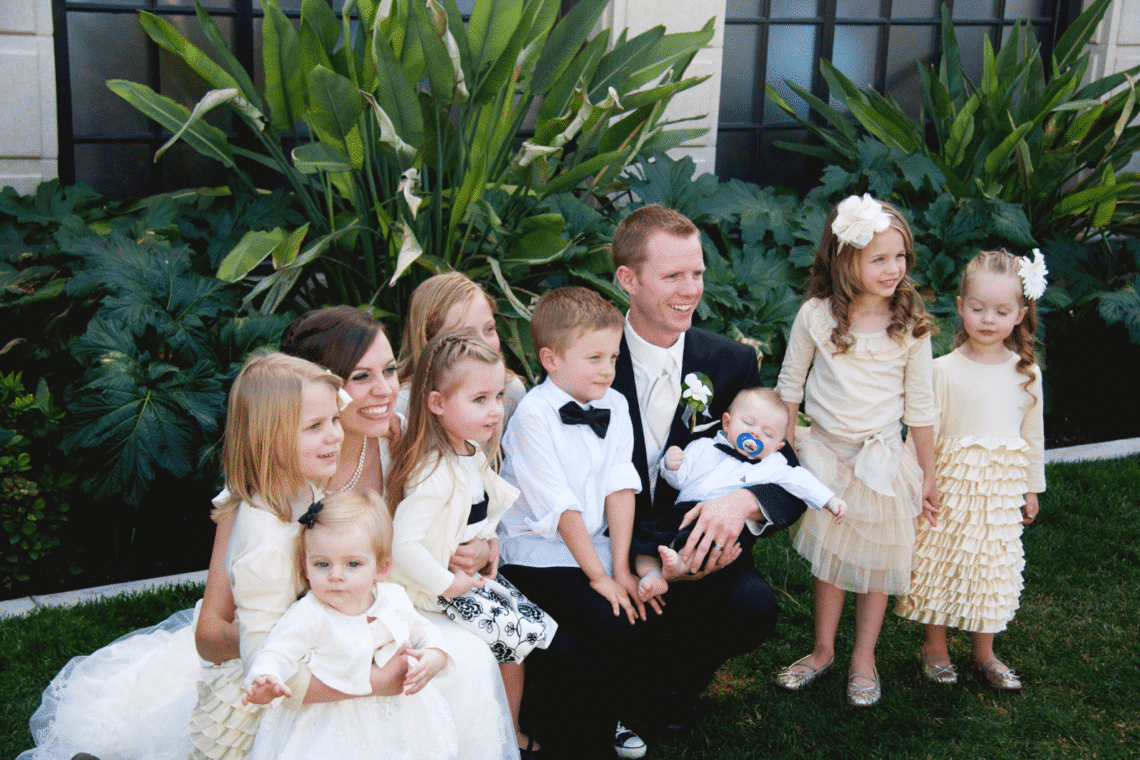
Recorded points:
(597,419)
(734,453)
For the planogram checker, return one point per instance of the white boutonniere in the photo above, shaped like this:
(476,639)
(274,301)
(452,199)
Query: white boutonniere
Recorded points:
(858,219)
(696,393)
(1032,275)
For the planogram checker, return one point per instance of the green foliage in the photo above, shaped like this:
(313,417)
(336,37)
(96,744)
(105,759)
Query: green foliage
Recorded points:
(113,307)
(33,489)
(408,127)
(157,357)
(1019,135)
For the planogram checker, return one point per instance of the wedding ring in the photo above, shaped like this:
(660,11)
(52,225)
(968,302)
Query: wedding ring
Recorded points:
(718,547)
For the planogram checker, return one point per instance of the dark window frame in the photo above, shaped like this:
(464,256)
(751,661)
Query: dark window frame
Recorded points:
(825,23)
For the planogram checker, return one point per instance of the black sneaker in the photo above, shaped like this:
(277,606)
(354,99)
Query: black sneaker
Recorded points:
(627,744)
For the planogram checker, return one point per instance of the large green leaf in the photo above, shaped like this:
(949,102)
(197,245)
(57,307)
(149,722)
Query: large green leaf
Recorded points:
(335,109)
(209,101)
(204,138)
(492,25)
(166,36)
(397,98)
(312,158)
(563,43)
(229,60)
(1072,44)
(616,67)
(254,248)
(284,80)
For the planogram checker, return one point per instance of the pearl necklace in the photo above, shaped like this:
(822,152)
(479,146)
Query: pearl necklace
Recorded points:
(359,469)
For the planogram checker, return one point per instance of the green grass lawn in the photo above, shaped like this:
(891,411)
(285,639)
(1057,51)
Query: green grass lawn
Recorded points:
(1074,642)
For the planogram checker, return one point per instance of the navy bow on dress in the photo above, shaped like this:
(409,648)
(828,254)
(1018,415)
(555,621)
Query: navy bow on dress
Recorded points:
(597,419)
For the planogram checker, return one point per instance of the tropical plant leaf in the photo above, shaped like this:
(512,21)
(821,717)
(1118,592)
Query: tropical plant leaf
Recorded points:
(208,140)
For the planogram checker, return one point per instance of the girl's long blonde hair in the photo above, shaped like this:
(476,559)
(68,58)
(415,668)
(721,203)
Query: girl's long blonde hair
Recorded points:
(438,370)
(430,304)
(259,452)
(1023,340)
(835,275)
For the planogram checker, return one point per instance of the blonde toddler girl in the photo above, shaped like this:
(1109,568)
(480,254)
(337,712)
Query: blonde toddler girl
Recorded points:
(990,461)
(349,619)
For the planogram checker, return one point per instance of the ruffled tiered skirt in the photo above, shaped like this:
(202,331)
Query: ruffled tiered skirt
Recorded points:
(881,482)
(967,569)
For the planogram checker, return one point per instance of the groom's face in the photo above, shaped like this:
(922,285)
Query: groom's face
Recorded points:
(665,289)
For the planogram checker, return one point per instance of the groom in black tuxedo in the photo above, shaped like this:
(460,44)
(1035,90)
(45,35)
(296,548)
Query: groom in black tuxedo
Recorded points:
(727,608)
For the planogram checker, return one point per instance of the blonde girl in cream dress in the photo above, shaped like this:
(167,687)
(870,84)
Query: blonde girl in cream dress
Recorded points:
(991,466)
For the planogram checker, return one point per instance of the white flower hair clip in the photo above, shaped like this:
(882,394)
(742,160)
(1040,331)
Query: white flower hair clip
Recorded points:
(1032,274)
(858,219)
(343,399)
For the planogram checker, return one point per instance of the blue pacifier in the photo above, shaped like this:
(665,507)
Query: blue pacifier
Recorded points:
(749,444)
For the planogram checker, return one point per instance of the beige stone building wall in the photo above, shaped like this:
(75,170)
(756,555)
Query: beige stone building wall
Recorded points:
(702,100)
(1116,46)
(29,149)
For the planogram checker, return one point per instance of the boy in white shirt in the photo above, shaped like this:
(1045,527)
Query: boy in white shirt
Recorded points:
(565,542)
(745,452)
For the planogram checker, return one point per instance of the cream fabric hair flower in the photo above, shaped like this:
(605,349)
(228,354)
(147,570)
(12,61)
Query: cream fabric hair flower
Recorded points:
(859,219)
(1032,275)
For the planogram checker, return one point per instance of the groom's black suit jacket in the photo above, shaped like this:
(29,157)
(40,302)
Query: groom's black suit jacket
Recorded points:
(731,367)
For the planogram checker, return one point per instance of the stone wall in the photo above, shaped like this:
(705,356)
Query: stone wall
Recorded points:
(29,149)
(702,100)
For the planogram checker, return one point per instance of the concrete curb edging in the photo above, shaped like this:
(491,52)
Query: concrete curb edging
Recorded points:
(19,607)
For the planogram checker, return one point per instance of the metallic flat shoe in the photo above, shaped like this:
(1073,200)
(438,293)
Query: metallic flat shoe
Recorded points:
(863,696)
(794,680)
(1000,678)
(937,673)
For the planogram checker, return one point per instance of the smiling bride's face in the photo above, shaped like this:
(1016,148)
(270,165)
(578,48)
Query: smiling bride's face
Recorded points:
(373,385)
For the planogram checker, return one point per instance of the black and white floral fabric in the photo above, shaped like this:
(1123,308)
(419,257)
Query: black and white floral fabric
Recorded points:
(498,613)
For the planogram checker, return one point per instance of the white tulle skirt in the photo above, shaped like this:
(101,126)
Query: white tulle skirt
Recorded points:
(130,699)
(133,698)
(418,727)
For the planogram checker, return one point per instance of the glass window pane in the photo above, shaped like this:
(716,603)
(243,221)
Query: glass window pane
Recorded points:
(736,155)
(916,9)
(908,45)
(975,9)
(743,8)
(859,9)
(856,51)
(104,46)
(740,92)
(795,9)
(787,168)
(970,49)
(115,170)
(791,55)
(1025,8)
(182,167)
